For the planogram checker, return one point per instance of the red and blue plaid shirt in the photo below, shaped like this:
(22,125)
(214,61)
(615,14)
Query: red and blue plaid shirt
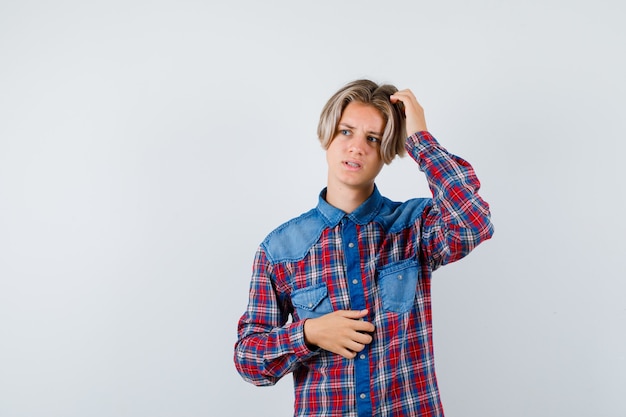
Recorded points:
(379,257)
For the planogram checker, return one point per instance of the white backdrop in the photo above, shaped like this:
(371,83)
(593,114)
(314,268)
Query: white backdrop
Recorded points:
(147,147)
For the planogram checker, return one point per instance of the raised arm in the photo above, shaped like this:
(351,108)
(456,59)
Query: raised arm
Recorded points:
(458,218)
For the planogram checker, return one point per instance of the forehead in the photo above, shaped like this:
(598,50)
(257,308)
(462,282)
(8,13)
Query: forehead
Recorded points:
(357,114)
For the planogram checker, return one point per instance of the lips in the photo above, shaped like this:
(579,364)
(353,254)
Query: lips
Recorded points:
(352,164)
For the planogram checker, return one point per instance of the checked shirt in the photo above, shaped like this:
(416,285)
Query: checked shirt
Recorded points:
(380,257)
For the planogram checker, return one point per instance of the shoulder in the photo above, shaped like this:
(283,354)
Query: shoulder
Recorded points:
(292,240)
(395,216)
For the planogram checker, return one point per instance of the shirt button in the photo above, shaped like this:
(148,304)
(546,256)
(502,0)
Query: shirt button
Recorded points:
(354,281)
(362,396)
(350,245)
(361,356)
(400,277)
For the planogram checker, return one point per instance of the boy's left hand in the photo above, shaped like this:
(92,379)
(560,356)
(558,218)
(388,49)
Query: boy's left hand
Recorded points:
(415,119)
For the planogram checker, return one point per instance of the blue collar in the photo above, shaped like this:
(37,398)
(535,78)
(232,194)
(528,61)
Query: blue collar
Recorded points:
(363,214)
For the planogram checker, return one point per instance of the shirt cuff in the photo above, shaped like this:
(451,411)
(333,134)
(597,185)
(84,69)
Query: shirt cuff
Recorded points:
(420,141)
(296,338)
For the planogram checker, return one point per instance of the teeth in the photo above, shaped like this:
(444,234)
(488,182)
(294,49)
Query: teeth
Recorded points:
(353,164)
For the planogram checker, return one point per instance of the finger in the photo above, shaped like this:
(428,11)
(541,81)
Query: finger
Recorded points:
(406,97)
(364,326)
(413,111)
(353,314)
(346,353)
(403,95)
(363,339)
(355,347)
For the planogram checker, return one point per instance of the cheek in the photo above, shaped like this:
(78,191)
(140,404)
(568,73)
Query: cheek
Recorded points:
(380,167)
(377,158)
(330,156)
(333,151)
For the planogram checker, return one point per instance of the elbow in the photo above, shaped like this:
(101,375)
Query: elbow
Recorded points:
(466,238)
(488,229)
(251,372)
(259,382)
(481,232)
(480,225)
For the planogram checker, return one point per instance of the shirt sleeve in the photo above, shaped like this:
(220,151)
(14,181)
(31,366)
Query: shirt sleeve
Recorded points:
(267,346)
(458,218)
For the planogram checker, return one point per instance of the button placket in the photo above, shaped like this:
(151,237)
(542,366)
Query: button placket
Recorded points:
(357,302)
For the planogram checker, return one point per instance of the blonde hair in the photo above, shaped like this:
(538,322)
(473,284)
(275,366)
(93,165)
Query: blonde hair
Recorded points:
(367,92)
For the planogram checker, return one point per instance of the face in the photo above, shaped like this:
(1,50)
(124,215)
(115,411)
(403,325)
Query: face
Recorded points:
(354,154)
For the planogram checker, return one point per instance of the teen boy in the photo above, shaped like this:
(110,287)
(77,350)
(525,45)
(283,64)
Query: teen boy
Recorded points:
(354,273)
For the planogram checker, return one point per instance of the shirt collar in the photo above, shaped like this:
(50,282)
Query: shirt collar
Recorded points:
(363,214)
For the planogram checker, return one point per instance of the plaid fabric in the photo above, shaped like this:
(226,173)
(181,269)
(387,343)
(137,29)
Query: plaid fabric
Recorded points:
(379,257)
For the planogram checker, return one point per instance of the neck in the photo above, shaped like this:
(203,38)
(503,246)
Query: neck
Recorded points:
(346,198)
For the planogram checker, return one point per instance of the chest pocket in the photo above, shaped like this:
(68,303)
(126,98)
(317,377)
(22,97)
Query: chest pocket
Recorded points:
(397,284)
(311,302)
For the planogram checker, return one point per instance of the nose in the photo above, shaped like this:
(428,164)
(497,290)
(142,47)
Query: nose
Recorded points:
(358,144)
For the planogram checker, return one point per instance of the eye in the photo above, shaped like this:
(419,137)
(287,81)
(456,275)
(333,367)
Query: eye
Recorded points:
(345,132)
(373,139)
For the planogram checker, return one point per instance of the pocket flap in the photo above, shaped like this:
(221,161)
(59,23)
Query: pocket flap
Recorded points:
(309,298)
(398,266)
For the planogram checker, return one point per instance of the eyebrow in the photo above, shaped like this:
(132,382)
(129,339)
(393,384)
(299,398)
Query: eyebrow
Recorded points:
(371,132)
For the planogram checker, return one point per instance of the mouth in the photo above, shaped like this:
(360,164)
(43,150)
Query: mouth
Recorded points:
(352,164)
